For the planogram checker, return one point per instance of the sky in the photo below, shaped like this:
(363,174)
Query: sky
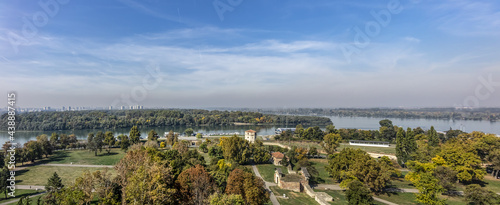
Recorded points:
(256,54)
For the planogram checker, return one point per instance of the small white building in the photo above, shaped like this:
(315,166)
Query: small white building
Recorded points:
(369,143)
(250,135)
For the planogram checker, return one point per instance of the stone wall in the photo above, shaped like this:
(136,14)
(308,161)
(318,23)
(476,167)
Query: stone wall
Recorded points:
(293,186)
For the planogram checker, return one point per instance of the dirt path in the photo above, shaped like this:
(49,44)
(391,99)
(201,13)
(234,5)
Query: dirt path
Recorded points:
(274,200)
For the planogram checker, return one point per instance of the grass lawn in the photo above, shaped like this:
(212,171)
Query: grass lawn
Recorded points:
(492,184)
(38,175)
(19,193)
(267,171)
(456,200)
(339,197)
(399,198)
(206,157)
(380,150)
(85,157)
(323,176)
(294,198)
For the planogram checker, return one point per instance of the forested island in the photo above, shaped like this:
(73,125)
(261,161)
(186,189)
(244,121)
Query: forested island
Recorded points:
(489,114)
(75,120)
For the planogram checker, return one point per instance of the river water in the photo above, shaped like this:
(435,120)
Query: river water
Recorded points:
(366,123)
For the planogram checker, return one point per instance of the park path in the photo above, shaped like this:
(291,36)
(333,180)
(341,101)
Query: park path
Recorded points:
(77,165)
(274,200)
(16,200)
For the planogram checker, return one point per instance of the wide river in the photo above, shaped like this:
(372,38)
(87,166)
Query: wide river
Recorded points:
(366,123)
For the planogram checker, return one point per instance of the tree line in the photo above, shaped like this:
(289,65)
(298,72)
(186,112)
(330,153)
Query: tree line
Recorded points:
(489,114)
(111,119)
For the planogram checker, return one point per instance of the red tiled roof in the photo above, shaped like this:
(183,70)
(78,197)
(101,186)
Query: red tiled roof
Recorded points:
(250,131)
(278,155)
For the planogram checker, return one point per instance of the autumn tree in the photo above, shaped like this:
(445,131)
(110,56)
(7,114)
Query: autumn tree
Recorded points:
(331,142)
(248,186)
(422,177)
(195,185)
(226,199)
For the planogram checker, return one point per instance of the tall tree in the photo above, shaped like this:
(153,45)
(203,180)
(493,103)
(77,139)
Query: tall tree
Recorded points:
(46,147)
(401,146)
(387,131)
(331,142)
(109,140)
(330,129)
(152,135)
(91,145)
(433,137)
(423,178)
(54,139)
(53,186)
(99,140)
(4,175)
(124,142)
(299,130)
(247,185)
(135,135)
(410,144)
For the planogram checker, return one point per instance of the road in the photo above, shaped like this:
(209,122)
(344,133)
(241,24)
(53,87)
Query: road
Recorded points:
(274,200)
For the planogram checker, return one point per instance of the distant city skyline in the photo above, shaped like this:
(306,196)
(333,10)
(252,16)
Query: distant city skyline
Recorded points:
(250,54)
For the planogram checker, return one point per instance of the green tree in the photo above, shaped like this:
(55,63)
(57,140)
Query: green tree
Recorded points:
(235,149)
(98,141)
(189,131)
(387,131)
(433,137)
(313,151)
(401,153)
(358,193)
(46,147)
(225,199)
(330,129)
(4,175)
(475,194)
(152,135)
(199,135)
(331,142)
(299,130)
(135,135)
(463,159)
(352,164)
(124,142)
(410,144)
(33,150)
(422,177)
(109,140)
(91,145)
(54,185)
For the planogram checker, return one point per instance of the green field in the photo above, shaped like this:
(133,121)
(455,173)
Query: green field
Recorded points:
(294,198)
(323,176)
(267,171)
(339,197)
(399,198)
(19,193)
(38,175)
(380,150)
(85,157)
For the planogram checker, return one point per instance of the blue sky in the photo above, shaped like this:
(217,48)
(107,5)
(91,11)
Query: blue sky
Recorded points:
(189,53)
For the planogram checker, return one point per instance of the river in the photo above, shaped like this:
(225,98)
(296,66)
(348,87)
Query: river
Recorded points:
(366,123)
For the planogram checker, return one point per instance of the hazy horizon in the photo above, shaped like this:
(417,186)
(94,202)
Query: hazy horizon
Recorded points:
(251,54)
